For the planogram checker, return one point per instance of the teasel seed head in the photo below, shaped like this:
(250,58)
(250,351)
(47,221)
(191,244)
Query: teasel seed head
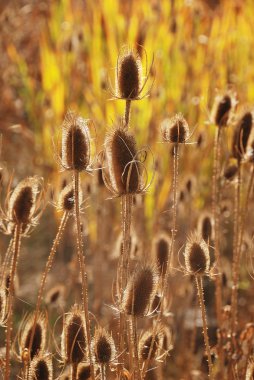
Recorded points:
(197,258)
(230,172)
(103,347)
(129,76)
(40,335)
(73,344)
(125,170)
(41,368)
(241,135)
(175,130)
(206,227)
(140,291)
(55,295)
(84,371)
(161,248)
(223,108)
(76,140)
(149,341)
(66,198)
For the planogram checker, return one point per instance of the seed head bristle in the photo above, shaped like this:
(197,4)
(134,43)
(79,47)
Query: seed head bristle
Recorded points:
(161,251)
(241,135)
(75,143)
(206,227)
(140,291)
(73,344)
(103,347)
(129,76)
(197,258)
(40,368)
(175,130)
(84,371)
(223,107)
(125,171)
(230,172)
(40,334)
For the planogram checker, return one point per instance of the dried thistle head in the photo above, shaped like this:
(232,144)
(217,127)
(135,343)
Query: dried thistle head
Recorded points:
(150,343)
(40,335)
(175,130)
(223,108)
(103,347)
(66,198)
(230,172)
(55,295)
(241,135)
(73,343)
(140,291)
(76,143)
(84,371)
(40,368)
(129,75)
(206,227)
(161,248)
(124,163)
(197,258)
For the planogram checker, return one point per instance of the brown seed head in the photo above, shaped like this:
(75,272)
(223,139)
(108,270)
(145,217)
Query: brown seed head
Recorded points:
(55,295)
(150,342)
(75,143)
(84,371)
(241,135)
(66,198)
(40,368)
(125,171)
(222,109)
(73,345)
(39,339)
(205,227)
(129,76)
(230,172)
(175,130)
(197,258)
(103,347)
(140,291)
(161,250)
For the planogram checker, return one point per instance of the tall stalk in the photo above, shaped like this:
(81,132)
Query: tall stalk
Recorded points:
(175,187)
(74,370)
(133,330)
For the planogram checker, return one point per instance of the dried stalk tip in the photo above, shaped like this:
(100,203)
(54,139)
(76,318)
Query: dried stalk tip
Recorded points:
(140,291)
(103,347)
(129,76)
(84,371)
(230,172)
(161,250)
(222,109)
(241,135)
(206,227)
(73,344)
(40,368)
(125,171)
(75,143)
(197,258)
(175,130)
(39,338)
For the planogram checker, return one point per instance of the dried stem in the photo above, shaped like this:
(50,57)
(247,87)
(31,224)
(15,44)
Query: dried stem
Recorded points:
(81,259)
(6,261)
(133,329)
(74,370)
(103,372)
(199,282)
(127,113)
(16,248)
(174,207)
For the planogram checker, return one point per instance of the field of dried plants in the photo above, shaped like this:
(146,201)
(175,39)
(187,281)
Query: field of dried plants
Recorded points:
(127,153)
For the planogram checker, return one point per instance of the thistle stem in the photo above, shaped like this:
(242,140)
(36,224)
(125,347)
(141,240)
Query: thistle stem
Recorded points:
(74,370)
(127,113)
(133,328)
(175,187)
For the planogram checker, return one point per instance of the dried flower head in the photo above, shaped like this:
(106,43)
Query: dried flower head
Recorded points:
(223,108)
(129,76)
(39,338)
(175,130)
(206,227)
(41,368)
(140,291)
(230,172)
(76,140)
(161,248)
(197,258)
(66,198)
(241,135)
(55,295)
(103,347)
(149,343)
(73,344)
(84,371)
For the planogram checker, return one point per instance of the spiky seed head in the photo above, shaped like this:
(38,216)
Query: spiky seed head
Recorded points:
(73,344)
(40,368)
(39,338)
(241,135)
(103,347)
(55,295)
(222,109)
(129,76)
(197,258)
(140,291)
(175,130)
(161,250)
(22,202)
(149,343)
(75,143)
(155,305)
(84,371)
(66,198)
(125,171)
(206,227)
(230,172)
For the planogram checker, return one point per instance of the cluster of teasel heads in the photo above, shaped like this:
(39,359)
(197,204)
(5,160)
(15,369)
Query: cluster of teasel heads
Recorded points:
(142,292)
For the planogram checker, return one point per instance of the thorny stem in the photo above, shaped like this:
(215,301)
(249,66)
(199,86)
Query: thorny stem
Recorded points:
(215,205)
(199,283)
(133,328)
(46,272)
(16,248)
(103,372)
(7,259)
(74,369)
(175,185)
(127,113)
(81,259)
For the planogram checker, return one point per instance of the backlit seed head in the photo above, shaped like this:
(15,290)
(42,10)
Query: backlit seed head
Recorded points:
(125,170)
(66,198)
(55,295)
(197,258)
(241,135)
(39,338)
(140,291)
(161,248)
(175,130)
(40,368)
(129,76)
(75,143)
(103,347)
(84,371)
(230,172)
(223,109)
(73,344)
(149,343)
(206,227)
